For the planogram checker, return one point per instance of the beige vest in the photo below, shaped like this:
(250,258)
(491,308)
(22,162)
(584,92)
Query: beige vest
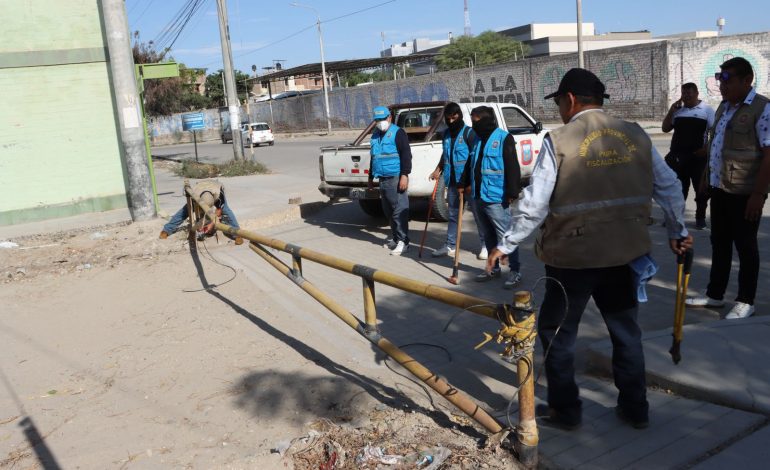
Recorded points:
(600,206)
(212,186)
(741,153)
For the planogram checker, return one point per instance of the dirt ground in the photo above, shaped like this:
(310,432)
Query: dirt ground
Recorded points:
(116,355)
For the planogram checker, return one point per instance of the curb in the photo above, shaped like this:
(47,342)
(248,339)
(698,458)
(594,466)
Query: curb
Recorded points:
(292,213)
(599,363)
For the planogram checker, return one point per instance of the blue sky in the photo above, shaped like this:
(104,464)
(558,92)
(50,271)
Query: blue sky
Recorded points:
(256,26)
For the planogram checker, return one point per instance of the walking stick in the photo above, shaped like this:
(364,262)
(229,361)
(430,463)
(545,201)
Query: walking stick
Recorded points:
(453,278)
(684,267)
(430,209)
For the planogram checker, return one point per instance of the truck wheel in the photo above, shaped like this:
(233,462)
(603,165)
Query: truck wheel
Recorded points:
(440,205)
(372,207)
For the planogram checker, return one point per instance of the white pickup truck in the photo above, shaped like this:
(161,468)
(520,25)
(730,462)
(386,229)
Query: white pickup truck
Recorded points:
(345,169)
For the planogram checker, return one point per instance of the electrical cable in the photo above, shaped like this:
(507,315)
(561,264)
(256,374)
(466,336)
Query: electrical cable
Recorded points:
(213,286)
(411,379)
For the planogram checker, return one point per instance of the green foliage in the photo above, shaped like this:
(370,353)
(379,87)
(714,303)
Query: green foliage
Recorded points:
(358,77)
(190,169)
(166,96)
(215,87)
(487,48)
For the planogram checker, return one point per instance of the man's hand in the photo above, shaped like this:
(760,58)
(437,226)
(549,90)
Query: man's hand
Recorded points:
(680,245)
(403,183)
(754,207)
(370,185)
(435,174)
(494,256)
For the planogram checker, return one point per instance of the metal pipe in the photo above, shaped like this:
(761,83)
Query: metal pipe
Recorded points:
(458,299)
(370,306)
(524,341)
(451,394)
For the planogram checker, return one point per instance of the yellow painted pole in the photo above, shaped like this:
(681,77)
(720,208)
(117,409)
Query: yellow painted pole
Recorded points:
(451,394)
(524,347)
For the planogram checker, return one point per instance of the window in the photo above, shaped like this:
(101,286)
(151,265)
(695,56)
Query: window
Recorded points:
(516,121)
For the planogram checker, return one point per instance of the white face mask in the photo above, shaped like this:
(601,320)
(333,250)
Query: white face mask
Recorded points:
(383,125)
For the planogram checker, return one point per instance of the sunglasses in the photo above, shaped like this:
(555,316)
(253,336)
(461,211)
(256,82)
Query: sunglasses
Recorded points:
(723,76)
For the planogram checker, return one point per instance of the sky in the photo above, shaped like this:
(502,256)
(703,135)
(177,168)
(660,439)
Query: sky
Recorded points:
(262,32)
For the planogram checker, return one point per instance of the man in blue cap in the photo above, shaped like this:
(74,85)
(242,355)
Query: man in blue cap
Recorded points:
(391,163)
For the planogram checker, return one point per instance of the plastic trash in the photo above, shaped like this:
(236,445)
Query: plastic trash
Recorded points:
(376,454)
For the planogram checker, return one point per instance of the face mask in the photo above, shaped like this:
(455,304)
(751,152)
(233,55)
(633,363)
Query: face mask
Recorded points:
(383,125)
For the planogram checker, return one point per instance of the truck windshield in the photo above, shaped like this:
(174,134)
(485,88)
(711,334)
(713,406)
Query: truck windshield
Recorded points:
(417,122)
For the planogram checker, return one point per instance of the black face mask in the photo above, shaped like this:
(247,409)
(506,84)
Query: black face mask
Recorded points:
(484,127)
(454,126)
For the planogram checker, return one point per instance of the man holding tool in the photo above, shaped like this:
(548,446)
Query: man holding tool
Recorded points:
(591,191)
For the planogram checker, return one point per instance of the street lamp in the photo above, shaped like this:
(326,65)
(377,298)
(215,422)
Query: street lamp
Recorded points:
(323,63)
(579,6)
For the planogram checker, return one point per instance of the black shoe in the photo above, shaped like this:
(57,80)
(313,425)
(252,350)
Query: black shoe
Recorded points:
(639,423)
(552,418)
(700,224)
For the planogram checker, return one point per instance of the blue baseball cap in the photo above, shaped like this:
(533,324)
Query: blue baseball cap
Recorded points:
(381,112)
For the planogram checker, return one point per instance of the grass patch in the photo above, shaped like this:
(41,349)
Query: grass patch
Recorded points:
(194,170)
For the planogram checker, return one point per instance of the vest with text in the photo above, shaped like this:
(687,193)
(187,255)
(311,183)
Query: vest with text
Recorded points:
(492,167)
(601,202)
(741,152)
(455,156)
(385,159)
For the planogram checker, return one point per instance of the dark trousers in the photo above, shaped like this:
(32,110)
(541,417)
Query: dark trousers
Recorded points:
(689,169)
(395,204)
(729,227)
(614,292)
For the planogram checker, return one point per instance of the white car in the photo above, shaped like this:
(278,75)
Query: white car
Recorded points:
(257,133)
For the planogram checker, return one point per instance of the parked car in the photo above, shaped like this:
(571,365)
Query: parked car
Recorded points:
(257,133)
(345,169)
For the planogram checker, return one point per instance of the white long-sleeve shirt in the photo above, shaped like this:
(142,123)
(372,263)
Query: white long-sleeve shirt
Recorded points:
(533,206)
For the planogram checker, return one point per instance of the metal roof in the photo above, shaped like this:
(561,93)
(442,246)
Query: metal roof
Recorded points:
(344,66)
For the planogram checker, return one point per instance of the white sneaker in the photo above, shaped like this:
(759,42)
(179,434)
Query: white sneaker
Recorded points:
(483,254)
(443,251)
(513,280)
(740,310)
(703,301)
(389,244)
(400,248)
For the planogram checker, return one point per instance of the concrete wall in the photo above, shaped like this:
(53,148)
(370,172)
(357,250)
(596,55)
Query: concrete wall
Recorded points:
(642,81)
(59,144)
(696,60)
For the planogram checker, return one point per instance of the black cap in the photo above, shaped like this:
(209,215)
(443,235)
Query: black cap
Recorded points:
(580,82)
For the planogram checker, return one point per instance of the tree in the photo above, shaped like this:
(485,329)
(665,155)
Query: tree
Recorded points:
(487,48)
(215,87)
(166,96)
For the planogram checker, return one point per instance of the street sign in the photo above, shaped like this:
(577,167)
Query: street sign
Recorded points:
(193,122)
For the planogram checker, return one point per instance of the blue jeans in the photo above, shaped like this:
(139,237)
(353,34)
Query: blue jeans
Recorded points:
(395,205)
(614,293)
(181,215)
(494,220)
(453,201)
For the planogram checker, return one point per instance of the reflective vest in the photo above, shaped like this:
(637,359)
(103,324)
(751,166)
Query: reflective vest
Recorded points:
(741,153)
(384,154)
(492,167)
(601,202)
(455,156)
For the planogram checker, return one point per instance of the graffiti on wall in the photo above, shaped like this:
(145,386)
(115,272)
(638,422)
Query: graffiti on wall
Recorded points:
(706,79)
(620,80)
(498,89)
(550,79)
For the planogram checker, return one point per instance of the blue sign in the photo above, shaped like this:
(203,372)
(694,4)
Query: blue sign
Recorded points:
(193,122)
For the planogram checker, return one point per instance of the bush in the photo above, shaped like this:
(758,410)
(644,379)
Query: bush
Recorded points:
(190,169)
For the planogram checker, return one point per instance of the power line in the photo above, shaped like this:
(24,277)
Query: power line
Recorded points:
(143,12)
(165,41)
(357,11)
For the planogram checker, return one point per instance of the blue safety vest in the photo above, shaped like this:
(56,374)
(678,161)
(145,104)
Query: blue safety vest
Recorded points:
(455,156)
(384,154)
(492,167)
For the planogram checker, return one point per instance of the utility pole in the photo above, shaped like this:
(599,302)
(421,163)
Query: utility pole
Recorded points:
(141,197)
(323,65)
(581,64)
(229,81)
